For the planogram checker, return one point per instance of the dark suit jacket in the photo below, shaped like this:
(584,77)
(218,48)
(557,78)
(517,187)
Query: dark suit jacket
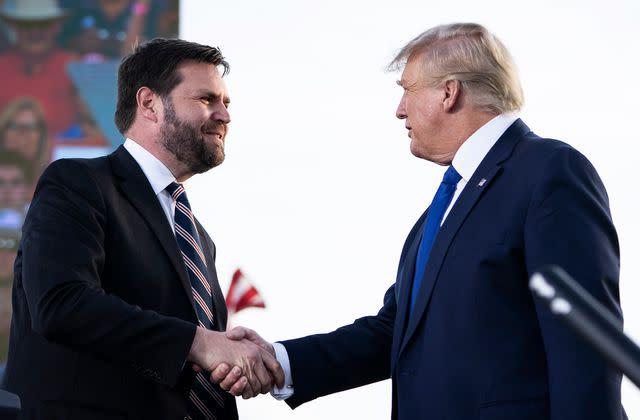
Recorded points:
(103,313)
(477,346)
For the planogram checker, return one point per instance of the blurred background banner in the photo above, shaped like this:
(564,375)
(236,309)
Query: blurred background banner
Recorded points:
(97,87)
(59,62)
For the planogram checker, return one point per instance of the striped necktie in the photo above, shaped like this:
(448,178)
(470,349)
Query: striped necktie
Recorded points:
(205,399)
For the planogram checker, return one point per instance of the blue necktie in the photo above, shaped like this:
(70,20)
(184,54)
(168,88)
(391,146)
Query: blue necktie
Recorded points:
(438,206)
(206,402)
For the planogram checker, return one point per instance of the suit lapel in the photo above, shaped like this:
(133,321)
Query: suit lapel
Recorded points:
(135,186)
(404,281)
(481,180)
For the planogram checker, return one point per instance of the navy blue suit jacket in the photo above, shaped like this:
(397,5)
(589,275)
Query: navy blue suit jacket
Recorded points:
(477,346)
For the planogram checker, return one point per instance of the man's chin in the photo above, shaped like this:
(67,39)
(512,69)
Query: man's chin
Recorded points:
(218,160)
(216,154)
(209,163)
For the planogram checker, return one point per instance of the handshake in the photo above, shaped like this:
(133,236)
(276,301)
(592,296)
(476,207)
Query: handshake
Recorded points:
(240,361)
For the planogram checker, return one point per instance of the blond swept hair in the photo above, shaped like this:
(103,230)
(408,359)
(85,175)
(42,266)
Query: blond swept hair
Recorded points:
(467,52)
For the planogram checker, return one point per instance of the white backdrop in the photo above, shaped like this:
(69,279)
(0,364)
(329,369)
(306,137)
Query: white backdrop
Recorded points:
(319,188)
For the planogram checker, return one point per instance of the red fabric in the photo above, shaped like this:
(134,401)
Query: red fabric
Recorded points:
(242,294)
(50,84)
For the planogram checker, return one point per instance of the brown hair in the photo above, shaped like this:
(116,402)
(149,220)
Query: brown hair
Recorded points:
(154,64)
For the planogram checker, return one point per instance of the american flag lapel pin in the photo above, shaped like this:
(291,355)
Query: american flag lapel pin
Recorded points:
(482,182)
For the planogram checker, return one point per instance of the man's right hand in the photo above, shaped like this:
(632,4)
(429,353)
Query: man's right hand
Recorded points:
(232,380)
(255,369)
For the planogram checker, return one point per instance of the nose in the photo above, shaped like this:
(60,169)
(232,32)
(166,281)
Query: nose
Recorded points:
(401,111)
(221,114)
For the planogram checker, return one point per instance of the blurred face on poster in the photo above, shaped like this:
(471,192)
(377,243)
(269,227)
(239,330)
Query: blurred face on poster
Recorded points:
(23,134)
(14,187)
(36,38)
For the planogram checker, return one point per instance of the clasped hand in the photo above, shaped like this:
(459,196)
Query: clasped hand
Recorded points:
(239,364)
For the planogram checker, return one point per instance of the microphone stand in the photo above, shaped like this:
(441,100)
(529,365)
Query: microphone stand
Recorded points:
(588,318)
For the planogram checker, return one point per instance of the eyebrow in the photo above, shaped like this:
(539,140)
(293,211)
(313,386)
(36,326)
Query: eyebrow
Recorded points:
(403,84)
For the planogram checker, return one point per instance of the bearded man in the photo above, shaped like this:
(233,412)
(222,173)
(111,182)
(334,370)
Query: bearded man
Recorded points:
(117,311)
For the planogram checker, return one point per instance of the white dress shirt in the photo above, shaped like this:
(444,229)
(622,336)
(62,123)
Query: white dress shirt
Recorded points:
(466,161)
(474,149)
(157,173)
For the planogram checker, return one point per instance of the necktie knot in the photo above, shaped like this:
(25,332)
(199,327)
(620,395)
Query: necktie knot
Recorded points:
(177,193)
(174,189)
(451,176)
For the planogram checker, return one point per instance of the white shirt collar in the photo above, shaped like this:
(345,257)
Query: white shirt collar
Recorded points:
(157,173)
(475,148)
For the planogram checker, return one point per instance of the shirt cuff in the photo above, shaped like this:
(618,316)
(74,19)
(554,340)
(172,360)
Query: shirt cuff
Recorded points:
(283,358)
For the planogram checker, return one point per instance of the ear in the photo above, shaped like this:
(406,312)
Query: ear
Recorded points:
(148,104)
(452,95)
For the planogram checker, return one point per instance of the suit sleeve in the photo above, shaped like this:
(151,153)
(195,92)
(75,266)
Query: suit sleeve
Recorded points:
(569,224)
(352,356)
(63,258)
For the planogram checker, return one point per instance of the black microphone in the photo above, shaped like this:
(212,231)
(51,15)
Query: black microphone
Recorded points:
(588,318)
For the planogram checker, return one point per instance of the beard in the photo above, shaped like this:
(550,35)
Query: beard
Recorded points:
(187,142)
